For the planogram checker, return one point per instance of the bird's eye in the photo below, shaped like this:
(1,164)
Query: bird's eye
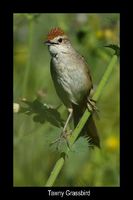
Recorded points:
(60,40)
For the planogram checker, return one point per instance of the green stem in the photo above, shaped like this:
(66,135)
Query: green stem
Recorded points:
(57,168)
(77,130)
(105,78)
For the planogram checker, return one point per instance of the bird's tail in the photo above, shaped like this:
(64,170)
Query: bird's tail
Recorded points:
(89,129)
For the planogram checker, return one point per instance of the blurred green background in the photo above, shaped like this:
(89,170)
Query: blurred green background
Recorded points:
(33,158)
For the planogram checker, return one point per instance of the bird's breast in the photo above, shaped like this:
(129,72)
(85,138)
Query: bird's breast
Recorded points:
(70,78)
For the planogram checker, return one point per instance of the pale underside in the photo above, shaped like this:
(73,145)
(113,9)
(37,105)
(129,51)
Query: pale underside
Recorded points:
(72,81)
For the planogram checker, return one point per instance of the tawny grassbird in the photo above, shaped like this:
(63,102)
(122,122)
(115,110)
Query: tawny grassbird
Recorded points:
(72,80)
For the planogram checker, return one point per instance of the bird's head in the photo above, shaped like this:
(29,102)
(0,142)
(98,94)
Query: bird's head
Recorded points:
(57,41)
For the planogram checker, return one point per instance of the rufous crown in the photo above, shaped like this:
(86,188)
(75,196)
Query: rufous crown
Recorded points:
(54,33)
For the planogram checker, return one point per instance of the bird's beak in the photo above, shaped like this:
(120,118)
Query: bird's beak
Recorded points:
(47,42)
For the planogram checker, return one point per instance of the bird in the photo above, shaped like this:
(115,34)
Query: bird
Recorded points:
(73,82)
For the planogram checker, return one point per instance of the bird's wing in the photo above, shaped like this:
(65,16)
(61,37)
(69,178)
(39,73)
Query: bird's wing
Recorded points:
(87,69)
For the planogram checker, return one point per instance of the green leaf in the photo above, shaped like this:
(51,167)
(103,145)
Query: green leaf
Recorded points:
(115,47)
(42,112)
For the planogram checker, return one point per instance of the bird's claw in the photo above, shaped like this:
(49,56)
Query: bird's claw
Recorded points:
(64,134)
(91,105)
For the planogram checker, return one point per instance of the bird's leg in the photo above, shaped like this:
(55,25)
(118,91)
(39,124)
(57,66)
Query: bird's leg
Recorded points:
(64,133)
(68,119)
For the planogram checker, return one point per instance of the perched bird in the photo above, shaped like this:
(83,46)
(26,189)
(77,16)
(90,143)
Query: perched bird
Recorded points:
(72,80)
